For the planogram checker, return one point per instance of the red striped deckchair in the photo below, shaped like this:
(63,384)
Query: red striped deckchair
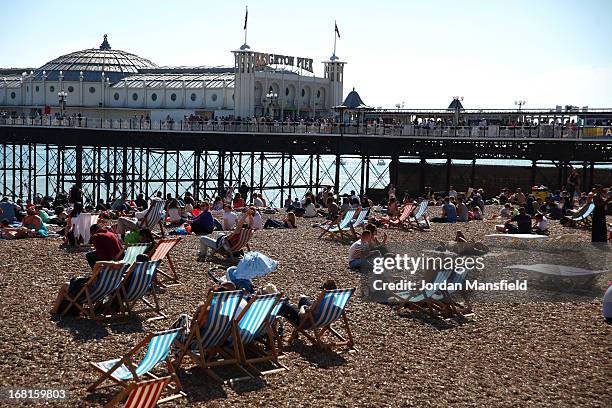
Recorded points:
(230,245)
(144,394)
(160,252)
(404,216)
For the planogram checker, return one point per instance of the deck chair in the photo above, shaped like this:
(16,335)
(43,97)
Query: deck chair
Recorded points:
(104,281)
(445,298)
(327,309)
(404,216)
(137,283)
(161,252)
(212,324)
(254,320)
(341,226)
(154,216)
(144,394)
(272,323)
(584,219)
(82,226)
(419,217)
(124,371)
(245,235)
(359,221)
(423,301)
(132,251)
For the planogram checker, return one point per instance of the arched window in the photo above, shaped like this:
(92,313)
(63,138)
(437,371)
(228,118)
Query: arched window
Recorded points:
(135,96)
(153,96)
(116,96)
(173,97)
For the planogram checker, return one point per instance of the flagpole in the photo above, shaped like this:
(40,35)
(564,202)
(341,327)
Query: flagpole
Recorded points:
(335,25)
(246,25)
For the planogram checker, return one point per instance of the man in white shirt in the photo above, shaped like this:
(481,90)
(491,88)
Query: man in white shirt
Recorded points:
(358,252)
(258,202)
(229,218)
(255,219)
(452,192)
(541,224)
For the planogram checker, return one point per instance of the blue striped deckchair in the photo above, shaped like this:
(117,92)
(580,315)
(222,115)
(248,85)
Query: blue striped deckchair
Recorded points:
(132,251)
(422,301)
(211,325)
(124,371)
(154,216)
(419,217)
(272,322)
(137,283)
(582,219)
(251,323)
(444,298)
(359,221)
(327,309)
(104,281)
(341,226)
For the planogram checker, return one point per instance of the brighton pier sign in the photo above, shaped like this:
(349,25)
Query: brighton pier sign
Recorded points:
(263,59)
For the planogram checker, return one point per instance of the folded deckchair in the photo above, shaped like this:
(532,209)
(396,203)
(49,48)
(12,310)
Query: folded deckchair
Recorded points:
(124,371)
(341,226)
(422,301)
(132,251)
(404,216)
(250,323)
(444,298)
(327,309)
(227,249)
(144,394)
(137,283)
(104,281)
(154,216)
(583,219)
(419,217)
(212,324)
(359,221)
(82,226)
(161,252)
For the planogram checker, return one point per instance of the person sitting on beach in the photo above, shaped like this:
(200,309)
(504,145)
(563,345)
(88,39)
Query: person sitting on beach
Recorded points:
(8,232)
(541,224)
(141,236)
(217,204)
(127,224)
(141,203)
(333,210)
(462,210)
(254,218)
(518,197)
(238,201)
(360,250)
(258,201)
(376,243)
(288,206)
(229,218)
(288,222)
(204,222)
(225,240)
(174,212)
(296,203)
(345,205)
(295,313)
(310,211)
(523,224)
(107,246)
(477,213)
(449,212)
(392,209)
(120,204)
(8,210)
(36,227)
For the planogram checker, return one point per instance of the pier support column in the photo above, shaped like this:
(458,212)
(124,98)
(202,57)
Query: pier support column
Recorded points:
(449,163)
(591,175)
(337,175)
(79,166)
(534,167)
(318,175)
(422,171)
(282,181)
(196,174)
(262,160)
(473,174)
(367,174)
(362,179)
(560,168)
(221,173)
(124,170)
(584,176)
(394,170)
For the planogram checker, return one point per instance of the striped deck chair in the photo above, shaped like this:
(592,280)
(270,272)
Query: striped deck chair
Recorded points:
(245,235)
(104,281)
(419,217)
(154,216)
(212,324)
(584,219)
(132,251)
(341,226)
(422,301)
(444,298)
(404,216)
(252,321)
(359,221)
(144,394)
(161,252)
(327,309)
(138,282)
(124,371)
(272,323)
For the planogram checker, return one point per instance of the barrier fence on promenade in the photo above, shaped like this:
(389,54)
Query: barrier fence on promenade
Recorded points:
(374,129)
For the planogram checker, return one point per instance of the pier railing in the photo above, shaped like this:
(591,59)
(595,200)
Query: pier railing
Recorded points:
(374,129)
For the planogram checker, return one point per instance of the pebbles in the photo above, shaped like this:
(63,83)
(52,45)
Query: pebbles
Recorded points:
(535,349)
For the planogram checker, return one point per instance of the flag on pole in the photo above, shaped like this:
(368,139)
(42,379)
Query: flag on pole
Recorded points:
(246,18)
(337,31)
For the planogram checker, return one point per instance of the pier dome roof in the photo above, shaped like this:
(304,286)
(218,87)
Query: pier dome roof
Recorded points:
(115,64)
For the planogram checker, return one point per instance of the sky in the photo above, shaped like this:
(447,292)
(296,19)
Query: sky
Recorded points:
(416,53)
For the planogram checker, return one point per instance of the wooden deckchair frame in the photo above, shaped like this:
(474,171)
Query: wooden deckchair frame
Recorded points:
(127,307)
(127,391)
(336,223)
(319,333)
(407,212)
(414,222)
(127,359)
